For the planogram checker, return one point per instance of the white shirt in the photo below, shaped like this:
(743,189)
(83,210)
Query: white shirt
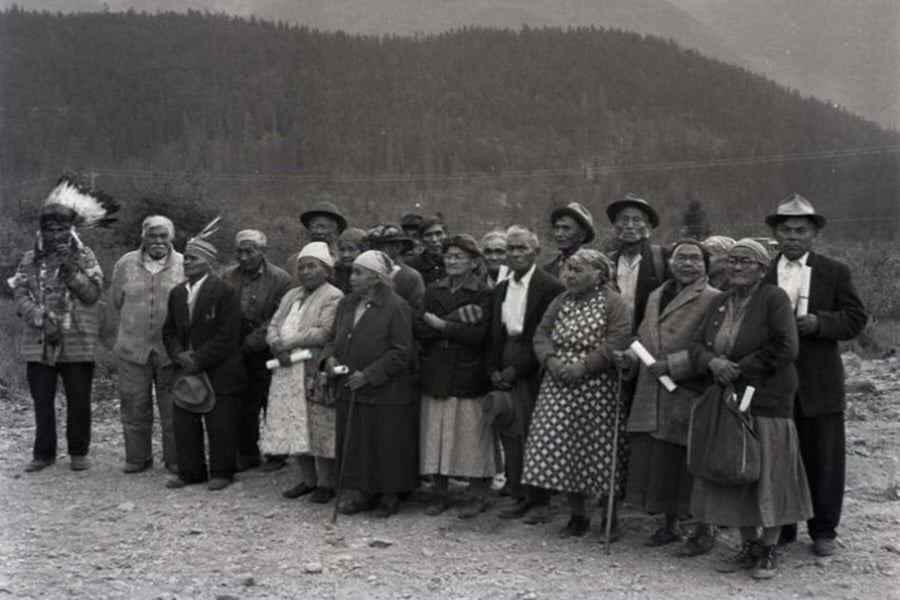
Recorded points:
(192,292)
(790,277)
(627,277)
(515,301)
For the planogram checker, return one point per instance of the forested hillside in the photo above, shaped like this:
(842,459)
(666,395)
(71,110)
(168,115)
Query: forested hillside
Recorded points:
(502,119)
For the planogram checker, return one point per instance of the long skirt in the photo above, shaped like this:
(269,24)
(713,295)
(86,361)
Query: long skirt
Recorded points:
(285,429)
(383,450)
(658,479)
(780,496)
(455,439)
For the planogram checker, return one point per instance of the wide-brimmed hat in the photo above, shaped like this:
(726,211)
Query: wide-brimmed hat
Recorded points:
(389,232)
(194,392)
(324,208)
(499,408)
(581,215)
(635,201)
(795,205)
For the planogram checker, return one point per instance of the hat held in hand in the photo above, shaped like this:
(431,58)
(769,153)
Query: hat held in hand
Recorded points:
(194,392)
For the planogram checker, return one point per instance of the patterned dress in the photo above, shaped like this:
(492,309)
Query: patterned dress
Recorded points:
(570,443)
(285,429)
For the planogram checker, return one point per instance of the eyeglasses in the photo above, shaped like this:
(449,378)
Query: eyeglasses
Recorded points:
(743,261)
(680,258)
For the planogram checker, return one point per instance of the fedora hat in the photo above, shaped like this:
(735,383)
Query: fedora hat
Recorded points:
(194,392)
(795,205)
(581,215)
(499,408)
(389,232)
(634,201)
(324,208)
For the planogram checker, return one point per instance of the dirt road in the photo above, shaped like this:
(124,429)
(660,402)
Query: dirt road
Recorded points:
(103,534)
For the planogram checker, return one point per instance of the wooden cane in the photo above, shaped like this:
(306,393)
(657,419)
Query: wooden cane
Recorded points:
(612,468)
(340,481)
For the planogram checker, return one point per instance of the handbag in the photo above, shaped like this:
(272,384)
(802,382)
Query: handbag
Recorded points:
(722,445)
(323,390)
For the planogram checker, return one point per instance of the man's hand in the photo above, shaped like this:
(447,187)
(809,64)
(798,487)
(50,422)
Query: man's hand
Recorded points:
(808,324)
(185,360)
(499,379)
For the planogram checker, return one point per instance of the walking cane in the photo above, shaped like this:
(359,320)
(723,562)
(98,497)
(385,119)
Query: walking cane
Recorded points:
(340,481)
(612,468)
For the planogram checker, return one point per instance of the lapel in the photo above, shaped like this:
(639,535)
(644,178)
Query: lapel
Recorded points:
(747,323)
(688,294)
(204,297)
(815,277)
(535,289)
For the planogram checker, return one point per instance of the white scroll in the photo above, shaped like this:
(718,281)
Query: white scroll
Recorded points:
(803,300)
(296,356)
(746,398)
(648,360)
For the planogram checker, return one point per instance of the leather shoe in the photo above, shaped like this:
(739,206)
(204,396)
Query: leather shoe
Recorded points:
(245,463)
(824,547)
(358,505)
(471,508)
(38,464)
(79,463)
(663,536)
(131,468)
(176,483)
(322,495)
(788,534)
(516,511)
(172,468)
(538,515)
(218,483)
(577,526)
(438,507)
(701,542)
(383,510)
(301,489)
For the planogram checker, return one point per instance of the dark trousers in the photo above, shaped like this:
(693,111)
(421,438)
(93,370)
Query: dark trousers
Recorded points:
(77,379)
(221,429)
(254,400)
(823,447)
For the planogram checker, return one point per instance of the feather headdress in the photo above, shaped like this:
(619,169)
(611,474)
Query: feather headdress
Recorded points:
(200,243)
(92,208)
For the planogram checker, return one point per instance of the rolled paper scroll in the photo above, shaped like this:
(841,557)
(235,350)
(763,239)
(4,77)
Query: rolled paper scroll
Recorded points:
(296,356)
(648,360)
(803,300)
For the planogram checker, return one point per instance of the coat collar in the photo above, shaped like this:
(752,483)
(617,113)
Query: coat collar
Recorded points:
(686,295)
(471,283)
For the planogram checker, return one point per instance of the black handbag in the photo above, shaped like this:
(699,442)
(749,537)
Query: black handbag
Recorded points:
(722,445)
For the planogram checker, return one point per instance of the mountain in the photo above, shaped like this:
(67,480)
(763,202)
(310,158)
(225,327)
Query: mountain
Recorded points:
(844,51)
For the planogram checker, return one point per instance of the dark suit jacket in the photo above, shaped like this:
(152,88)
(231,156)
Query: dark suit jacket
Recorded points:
(765,349)
(380,345)
(842,316)
(542,289)
(214,333)
(275,283)
(648,279)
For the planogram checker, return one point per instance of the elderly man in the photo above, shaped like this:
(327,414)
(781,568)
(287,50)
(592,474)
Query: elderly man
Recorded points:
(202,334)
(828,310)
(141,282)
(430,262)
(57,286)
(324,222)
(517,306)
(260,285)
(573,227)
(408,284)
(493,247)
(640,266)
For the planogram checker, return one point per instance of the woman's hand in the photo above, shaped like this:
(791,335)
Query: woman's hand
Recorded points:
(434,321)
(724,371)
(573,372)
(658,369)
(555,367)
(356,380)
(284,358)
(623,360)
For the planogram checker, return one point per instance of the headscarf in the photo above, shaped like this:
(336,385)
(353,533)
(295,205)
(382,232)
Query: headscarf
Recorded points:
(253,236)
(719,243)
(378,262)
(158,221)
(319,251)
(757,250)
(592,258)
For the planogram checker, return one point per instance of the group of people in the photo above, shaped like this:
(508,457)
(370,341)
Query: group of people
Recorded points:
(404,353)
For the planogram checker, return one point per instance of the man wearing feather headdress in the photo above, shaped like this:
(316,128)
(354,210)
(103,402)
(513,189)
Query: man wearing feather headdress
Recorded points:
(141,282)
(56,289)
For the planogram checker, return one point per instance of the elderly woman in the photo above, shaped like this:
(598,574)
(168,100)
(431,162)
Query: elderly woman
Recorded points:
(299,421)
(493,247)
(749,337)
(570,442)
(373,339)
(658,480)
(718,246)
(351,244)
(456,440)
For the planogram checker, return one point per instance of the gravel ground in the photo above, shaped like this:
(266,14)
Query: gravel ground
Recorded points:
(103,534)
